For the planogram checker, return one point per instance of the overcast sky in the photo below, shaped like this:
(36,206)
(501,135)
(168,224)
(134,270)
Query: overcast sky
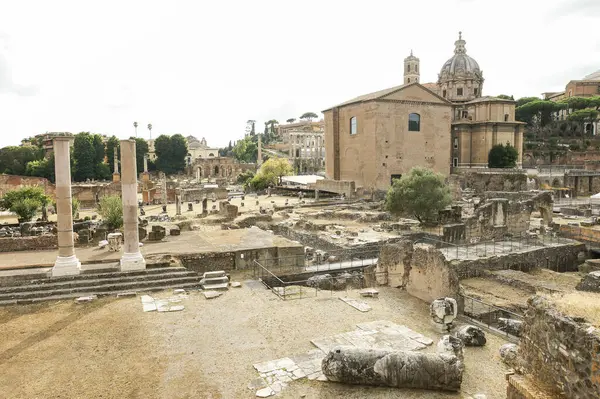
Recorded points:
(205,67)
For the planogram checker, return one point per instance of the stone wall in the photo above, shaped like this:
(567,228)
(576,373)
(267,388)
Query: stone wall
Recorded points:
(89,194)
(197,194)
(345,187)
(13,182)
(564,258)
(12,244)
(490,180)
(560,351)
(499,216)
(420,269)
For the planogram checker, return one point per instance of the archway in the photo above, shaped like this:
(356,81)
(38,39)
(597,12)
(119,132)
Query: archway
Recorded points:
(216,170)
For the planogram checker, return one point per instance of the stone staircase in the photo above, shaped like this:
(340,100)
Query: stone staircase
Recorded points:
(215,281)
(100,284)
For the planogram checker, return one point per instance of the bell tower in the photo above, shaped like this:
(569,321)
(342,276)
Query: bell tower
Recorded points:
(411,69)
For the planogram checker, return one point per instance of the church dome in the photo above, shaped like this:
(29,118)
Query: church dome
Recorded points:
(460,65)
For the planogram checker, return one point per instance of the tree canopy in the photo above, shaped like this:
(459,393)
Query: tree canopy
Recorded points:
(13,159)
(309,115)
(246,150)
(25,202)
(503,156)
(291,120)
(171,152)
(421,193)
(270,173)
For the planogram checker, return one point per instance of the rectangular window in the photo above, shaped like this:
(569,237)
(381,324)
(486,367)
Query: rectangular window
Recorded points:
(456,143)
(444,93)
(459,91)
(394,177)
(455,162)
(353,127)
(476,91)
(414,123)
(416,68)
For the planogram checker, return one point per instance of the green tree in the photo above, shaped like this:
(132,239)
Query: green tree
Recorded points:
(40,168)
(525,100)
(309,115)
(171,153)
(251,125)
(537,114)
(25,202)
(277,168)
(84,155)
(246,150)
(503,156)
(111,210)
(505,97)
(98,143)
(583,116)
(150,130)
(245,177)
(421,193)
(112,143)
(13,159)
(291,120)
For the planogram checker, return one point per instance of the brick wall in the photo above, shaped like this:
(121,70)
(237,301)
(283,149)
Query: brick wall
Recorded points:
(12,182)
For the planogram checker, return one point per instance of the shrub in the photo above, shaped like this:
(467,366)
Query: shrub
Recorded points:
(111,210)
(421,193)
(25,202)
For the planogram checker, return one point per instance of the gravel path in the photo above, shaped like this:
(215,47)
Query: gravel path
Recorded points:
(111,349)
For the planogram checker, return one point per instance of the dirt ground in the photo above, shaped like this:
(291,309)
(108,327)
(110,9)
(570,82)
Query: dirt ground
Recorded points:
(111,349)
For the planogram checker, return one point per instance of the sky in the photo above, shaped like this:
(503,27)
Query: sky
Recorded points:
(204,68)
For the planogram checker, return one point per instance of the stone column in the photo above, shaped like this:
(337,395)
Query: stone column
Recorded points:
(197,175)
(66,263)
(146,175)
(116,176)
(178,203)
(259,160)
(132,258)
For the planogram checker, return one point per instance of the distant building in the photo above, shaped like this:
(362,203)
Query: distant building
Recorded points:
(307,151)
(380,136)
(283,131)
(588,86)
(44,140)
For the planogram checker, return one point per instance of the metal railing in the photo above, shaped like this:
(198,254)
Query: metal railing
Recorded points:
(492,316)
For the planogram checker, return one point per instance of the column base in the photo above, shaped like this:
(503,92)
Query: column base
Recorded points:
(66,266)
(132,261)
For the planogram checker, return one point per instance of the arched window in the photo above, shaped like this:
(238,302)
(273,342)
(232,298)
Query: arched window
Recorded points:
(211,155)
(353,127)
(417,68)
(414,123)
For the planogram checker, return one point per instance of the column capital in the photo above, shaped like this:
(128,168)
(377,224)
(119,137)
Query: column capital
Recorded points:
(62,137)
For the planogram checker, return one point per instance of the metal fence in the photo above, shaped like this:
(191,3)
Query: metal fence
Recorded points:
(309,286)
(475,248)
(497,319)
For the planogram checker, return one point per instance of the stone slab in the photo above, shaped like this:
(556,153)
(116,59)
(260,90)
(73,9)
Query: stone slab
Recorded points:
(220,286)
(211,294)
(363,307)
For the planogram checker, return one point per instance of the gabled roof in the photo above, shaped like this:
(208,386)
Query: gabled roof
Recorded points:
(383,93)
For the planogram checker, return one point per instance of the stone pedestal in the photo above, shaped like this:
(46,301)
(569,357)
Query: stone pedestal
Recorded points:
(145,177)
(132,258)
(66,263)
(116,177)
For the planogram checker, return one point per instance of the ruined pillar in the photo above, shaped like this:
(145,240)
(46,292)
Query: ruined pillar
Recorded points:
(66,262)
(164,190)
(178,203)
(116,176)
(146,174)
(316,195)
(132,258)
(198,177)
(259,160)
